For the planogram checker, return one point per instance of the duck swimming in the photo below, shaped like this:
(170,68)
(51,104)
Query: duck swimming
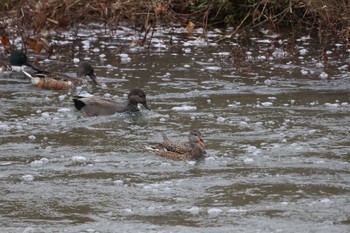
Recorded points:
(98,106)
(55,81)
(18,60)
(191,150)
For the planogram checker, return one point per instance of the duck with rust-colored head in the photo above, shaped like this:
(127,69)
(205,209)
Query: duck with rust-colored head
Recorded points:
(98,106)
(191,150)
(55,81)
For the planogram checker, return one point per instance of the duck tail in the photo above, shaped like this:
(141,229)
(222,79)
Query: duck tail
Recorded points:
(36,81)
(78,103)
(27,74)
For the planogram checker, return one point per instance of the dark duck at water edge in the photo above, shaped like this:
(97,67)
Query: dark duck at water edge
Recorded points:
(18,60)
(54,81)
(191,150)
(98,106)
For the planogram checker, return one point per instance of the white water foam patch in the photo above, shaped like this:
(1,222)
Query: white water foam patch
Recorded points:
(184,108)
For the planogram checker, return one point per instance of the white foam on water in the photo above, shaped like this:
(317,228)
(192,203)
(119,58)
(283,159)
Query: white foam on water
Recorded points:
(220,119)
(304,72)
(79,159)
(303,51)
(119,183)
(213,68)
(319,65)
(36,163)
(27,178)
(243,125)
(5,127)
(323,75)
(235,210)
(266,104)
(193,210)
(184,108)
(214,211)
(64,110)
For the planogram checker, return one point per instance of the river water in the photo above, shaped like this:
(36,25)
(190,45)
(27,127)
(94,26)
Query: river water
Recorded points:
(275,120)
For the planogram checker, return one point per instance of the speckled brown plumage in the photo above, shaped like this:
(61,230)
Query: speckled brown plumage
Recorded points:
(54,81)
(193,149)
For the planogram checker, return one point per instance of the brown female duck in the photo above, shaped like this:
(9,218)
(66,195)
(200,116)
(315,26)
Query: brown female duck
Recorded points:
(97,106)
(191,150)
(54,81)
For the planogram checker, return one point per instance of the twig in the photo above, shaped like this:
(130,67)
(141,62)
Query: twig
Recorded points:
(234,32)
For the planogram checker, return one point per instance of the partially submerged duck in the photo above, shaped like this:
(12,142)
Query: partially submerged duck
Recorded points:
(98,106)
(55,81)
(17,61)
(191,150)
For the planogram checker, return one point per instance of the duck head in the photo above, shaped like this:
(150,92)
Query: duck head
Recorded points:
(85,69)
(196,137)
(19,58)
(137,96)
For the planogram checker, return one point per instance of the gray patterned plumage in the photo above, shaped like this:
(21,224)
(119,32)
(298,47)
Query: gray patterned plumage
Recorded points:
(97,106)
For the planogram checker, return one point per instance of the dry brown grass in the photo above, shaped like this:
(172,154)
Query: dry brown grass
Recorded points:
(31,18)
(62,14)
(330,18)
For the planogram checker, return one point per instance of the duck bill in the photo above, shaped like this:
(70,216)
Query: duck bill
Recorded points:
(145,105)
(201,142)
(94,80)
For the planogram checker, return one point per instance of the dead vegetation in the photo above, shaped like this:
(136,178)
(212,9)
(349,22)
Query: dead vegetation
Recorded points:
(328,18)
(31,19)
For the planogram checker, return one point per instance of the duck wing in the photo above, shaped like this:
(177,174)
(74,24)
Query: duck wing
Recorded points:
(96,106)
(176,147)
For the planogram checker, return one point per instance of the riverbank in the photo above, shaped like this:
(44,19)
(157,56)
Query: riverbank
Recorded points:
(325,18)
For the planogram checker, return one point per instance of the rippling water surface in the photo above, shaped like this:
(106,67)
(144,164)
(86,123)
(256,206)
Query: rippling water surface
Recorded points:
(275,120)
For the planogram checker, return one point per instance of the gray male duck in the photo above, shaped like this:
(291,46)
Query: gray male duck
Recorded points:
(98,106)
